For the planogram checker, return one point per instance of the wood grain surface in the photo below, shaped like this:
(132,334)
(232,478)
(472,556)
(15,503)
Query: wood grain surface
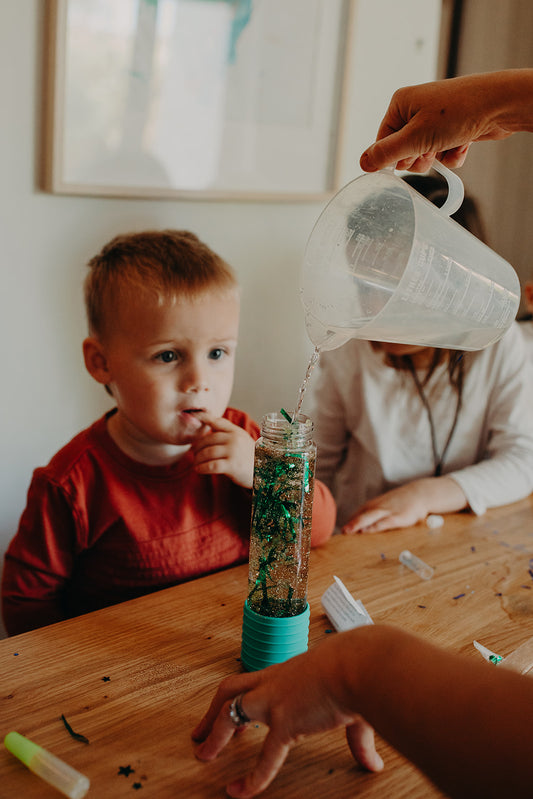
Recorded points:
(137,677)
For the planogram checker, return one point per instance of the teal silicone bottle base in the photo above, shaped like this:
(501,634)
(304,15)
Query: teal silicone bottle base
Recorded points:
(269,639)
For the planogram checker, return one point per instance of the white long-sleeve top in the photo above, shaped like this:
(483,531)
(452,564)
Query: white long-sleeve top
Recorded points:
(526,328)
(373,432)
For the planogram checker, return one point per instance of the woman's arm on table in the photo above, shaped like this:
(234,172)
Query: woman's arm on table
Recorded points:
(407,505)
(466,724)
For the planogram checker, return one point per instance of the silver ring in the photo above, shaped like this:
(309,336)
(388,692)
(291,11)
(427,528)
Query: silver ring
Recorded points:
(237,714)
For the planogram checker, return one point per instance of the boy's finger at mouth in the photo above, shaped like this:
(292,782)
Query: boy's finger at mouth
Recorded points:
(204,416)
(197,413)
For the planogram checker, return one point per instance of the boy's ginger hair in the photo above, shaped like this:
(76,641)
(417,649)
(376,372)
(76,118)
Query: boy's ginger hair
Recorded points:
(166,264)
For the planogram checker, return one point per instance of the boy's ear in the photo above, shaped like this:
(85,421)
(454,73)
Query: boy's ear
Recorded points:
(95,360)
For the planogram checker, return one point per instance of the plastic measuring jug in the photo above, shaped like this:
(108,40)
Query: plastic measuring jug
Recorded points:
(384,264)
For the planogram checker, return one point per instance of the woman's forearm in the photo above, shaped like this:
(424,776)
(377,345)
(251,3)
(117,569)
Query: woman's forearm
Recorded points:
(466,724)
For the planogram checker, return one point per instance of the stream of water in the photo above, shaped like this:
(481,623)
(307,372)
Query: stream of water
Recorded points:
(310,366)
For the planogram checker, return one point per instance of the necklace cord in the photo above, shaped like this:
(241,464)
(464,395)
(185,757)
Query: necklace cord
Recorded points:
(457,363)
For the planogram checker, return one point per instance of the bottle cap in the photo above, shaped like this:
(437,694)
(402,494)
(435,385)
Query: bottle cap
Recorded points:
(268,639)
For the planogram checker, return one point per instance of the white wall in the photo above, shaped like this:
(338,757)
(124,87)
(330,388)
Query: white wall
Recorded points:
(46,241)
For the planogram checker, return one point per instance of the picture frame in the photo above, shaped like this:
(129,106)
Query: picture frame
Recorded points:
(195,99)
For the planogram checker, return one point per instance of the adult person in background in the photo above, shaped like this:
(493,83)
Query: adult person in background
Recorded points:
(405,431)
(465,724)
(526,323)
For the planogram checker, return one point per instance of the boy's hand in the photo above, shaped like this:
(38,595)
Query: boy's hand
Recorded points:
(407,505)
(224,449)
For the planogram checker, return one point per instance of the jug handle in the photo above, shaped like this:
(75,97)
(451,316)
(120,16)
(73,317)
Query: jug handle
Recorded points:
(456,190)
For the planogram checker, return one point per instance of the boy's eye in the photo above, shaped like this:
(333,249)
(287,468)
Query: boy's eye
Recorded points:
(216,354)
(167,356)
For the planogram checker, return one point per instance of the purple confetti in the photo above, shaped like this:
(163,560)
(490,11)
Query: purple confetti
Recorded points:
(459,596)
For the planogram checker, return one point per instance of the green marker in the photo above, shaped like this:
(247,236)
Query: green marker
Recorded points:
(47,766)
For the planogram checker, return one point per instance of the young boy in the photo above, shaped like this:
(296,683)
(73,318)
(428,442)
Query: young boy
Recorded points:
(158,490)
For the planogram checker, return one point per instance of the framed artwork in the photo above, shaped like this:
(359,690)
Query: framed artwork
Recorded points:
(207,99)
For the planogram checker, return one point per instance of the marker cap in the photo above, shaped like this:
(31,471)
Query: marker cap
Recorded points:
(47,766)
(21,747)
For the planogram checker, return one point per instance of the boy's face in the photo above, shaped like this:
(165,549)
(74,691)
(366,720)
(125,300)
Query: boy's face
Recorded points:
(166,362)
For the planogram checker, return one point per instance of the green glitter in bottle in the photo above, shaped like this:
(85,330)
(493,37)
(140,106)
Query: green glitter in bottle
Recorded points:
(280,537)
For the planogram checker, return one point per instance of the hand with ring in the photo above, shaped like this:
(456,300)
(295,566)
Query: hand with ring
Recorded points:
(295,698)
(415,694)
(237,714)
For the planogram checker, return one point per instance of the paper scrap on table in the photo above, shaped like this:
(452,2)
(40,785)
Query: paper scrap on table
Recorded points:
(342,609)
(492,657)
(521,659)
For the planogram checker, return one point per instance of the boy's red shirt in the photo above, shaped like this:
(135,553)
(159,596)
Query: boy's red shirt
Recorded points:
(100,528)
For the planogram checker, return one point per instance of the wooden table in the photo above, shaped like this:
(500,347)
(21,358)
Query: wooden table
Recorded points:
(136,678)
